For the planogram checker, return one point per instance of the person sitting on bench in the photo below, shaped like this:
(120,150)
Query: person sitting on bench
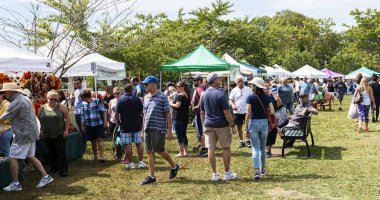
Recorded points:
(300,113)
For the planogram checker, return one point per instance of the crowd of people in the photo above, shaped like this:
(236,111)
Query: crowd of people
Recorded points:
(145,116)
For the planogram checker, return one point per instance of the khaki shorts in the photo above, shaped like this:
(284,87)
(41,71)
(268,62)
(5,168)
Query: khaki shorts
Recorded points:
(212,135)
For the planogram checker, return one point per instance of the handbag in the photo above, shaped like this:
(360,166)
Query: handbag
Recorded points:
(358,98)
(272,122)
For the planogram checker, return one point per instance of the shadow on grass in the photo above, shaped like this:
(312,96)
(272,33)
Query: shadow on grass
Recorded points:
(318,152)
(269,178)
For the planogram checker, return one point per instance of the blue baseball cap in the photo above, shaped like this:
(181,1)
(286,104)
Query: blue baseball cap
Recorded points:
(150,79)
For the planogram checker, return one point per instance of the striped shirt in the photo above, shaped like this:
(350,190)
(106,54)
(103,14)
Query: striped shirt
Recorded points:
(92,113)
(155,109)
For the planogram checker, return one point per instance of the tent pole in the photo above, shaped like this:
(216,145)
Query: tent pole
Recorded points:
(228,84)
(160,80)
(95,82)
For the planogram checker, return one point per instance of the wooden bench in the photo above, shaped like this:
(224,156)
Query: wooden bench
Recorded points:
(294,133)
(327,98)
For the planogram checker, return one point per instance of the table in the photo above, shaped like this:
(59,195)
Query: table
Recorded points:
(5,173)
(74,147)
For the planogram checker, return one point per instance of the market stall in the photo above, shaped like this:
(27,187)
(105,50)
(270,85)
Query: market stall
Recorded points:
(364,71)
(309,72)
(331,74)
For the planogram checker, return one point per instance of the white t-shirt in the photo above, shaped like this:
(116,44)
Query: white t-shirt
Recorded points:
(239,97)
(297,85)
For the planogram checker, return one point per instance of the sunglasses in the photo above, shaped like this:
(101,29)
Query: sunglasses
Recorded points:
(116,93)
(179,86)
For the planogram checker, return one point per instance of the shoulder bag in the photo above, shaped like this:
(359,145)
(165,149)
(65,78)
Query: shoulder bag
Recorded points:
(272,122)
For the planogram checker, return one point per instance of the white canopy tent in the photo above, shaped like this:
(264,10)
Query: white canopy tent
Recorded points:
(273,72)
(352,75)
(243,69)
(309,72)
(15,59)
(86,62)
(281,69)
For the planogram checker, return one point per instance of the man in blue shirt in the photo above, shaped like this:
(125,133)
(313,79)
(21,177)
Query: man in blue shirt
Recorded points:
(129,116)
(139,89)
(217,120)
(157,122)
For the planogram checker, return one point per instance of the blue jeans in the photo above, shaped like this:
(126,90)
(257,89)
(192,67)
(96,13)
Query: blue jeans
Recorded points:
(289,106)
(5,142)
(258,129)
(180,130)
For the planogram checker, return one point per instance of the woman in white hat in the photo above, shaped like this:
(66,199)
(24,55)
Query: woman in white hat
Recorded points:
(258,105)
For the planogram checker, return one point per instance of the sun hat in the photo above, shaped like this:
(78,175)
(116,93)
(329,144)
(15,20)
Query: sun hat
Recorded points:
(150,79)
(259,82)
(12,87)
(26,92)
(213,76)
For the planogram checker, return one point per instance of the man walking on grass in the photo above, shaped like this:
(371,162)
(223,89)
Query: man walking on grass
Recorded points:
(217,122)
(129,116)
(238,98)
(157,121)
(21,115)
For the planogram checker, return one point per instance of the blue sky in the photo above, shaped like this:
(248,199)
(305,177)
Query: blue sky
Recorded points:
(338,10)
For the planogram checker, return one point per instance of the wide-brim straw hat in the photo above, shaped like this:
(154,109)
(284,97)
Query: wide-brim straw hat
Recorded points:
(10,87)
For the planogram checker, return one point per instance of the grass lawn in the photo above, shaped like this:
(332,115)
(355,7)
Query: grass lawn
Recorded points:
(345,164)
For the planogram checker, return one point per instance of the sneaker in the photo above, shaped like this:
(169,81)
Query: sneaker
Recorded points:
(148,180)
(229,176)
(130,166)
(142,164)
(13,187)
(263,172)
(366,130)
(268,154)
(257,175)
(360,129)
(215,177)
(173,172)
(125,162)
(45,181)
(242,144)
(248,143)
(203,153)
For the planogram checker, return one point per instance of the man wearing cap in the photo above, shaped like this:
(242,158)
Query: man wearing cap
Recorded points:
(302,110)
(238,98)
(156,123)
(139,90)
(126,81)
(217,120)
(200,87)
(23,120)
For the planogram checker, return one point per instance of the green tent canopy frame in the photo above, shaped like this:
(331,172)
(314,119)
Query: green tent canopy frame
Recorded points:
(200,60)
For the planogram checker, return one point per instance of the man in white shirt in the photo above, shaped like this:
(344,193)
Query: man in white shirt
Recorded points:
(78,105)
(238,98)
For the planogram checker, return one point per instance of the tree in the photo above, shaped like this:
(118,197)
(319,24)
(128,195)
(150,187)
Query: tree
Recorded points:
(85,25)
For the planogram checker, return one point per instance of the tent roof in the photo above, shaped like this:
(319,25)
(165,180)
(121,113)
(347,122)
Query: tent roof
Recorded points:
(77,52)
(309,72)
(199,60)
(330,73)
(247,69)
(243,69)
(364,71)
(15,59)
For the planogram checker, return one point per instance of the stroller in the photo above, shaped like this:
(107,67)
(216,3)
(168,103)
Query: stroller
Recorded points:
(117,147)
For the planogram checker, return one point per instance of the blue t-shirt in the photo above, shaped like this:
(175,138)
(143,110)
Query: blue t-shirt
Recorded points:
(130,109)
(214,102)
(257,110)
(313,88)
(305,87)
(286,93)
(139,88)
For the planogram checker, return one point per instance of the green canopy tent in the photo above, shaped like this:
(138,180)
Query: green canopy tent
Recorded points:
(200,60)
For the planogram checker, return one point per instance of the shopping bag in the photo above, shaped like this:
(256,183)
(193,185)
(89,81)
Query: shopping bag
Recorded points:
(353,111)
